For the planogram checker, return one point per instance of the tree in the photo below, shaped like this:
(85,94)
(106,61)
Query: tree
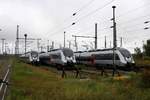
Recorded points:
(138,52)
(147,48)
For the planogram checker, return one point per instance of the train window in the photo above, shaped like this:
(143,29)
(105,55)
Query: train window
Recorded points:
(125,53)
(67,52)
(34,54)
(106,56)
(83,58)
(55,56)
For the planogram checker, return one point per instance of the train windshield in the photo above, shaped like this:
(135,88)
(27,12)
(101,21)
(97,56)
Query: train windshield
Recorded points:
(125,53)
(34,54)
(67,52)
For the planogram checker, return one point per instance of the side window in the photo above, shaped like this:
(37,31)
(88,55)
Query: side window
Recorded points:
(84,58)
(56,56)
(106,56)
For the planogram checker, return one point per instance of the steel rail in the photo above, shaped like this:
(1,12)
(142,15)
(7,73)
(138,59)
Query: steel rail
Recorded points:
(5,82)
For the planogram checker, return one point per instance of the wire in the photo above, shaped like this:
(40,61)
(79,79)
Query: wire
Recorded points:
(82,8)
(128,12)
(85,6)
(60,30)
(89,14)
(86,15)
(135,19)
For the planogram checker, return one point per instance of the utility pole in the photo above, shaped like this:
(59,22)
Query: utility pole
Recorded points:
(114,41)
(120,41)
(6,48)
(60,46)
(64,39)
(25,35)
(3,41)
(38,44)
(110,44)
(114,28)
(41,48)
(75,42)
(105,42)
(95,35)
(69,44)
(81,37)
(17,41)
(52,44)
(47,45)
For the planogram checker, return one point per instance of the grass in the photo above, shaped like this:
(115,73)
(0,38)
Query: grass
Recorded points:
(34,83)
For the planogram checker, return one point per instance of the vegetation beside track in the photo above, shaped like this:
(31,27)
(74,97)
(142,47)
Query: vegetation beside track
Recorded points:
(35,83)
(142,62)
(4,62)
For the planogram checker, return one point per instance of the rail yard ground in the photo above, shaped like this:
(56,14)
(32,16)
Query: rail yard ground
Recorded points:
(30,82)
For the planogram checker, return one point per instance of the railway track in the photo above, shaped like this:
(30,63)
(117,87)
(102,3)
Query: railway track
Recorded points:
(86,73)
(4,82)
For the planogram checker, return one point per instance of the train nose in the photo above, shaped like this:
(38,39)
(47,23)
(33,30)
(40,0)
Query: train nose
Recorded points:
(69,59)
(35,58)
(128,59)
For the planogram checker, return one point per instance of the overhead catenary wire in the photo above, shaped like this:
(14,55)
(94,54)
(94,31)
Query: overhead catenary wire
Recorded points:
(83,7)
(74,14)
(94,11)
(69,26)
(85,15)
(62,29)
(135,19)
(128,12)
(132,10)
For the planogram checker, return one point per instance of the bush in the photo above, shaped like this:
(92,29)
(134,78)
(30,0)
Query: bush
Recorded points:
(145,78)
(146,58)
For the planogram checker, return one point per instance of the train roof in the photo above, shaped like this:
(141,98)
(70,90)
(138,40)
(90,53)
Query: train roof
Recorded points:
(60,49)
(80,51)
(29,52)
(118,48)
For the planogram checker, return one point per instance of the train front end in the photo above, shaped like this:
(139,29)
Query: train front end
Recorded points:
(69,58)
(127,58)
(34,57)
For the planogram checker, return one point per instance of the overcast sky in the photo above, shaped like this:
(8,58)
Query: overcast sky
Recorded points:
(48,19)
